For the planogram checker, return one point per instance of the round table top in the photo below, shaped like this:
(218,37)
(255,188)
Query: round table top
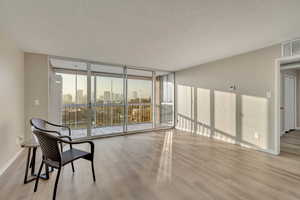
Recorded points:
(30,142)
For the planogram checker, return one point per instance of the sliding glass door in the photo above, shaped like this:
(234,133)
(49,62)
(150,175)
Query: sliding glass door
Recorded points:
(164,101)
(107,104)
(139,100)
(69,97)
(96,99)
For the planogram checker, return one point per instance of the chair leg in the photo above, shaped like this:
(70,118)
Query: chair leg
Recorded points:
(47,171)
(72,167)
(38,177)
(93,170)
(56,182)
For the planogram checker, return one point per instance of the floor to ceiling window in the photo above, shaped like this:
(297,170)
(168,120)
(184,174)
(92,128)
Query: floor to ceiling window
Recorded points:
(107,99)
(164,101)
(139,99)
(96,99)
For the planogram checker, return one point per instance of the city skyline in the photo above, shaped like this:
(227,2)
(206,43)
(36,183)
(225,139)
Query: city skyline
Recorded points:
(107,100)
(107,97)
(136,87)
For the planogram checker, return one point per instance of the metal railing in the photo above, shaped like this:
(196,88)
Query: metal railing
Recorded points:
(76,116)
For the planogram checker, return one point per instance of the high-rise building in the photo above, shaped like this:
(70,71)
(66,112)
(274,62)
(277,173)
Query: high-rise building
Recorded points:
(67,99)
(80,97)
(107,96)
(134,95)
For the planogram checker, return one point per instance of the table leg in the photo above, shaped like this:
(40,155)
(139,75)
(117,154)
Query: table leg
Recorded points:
(30,163)
(33,161)
(27,165)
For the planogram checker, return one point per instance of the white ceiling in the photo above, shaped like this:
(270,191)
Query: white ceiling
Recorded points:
(164,34)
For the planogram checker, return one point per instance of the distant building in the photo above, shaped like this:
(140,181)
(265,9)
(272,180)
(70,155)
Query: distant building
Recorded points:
(67,99)
(81,98)
(134,95)
(106,96)
(118,98)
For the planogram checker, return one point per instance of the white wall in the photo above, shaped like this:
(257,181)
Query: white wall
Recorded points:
(36,88)
(11,100)
(207,106)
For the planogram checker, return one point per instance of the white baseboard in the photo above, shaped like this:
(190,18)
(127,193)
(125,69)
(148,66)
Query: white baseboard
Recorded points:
(269,151)
(9,162)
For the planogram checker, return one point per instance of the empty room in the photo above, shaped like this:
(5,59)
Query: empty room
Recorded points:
(149,100)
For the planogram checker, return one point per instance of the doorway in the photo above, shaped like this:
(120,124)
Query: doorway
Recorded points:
(289,92)
(287,105)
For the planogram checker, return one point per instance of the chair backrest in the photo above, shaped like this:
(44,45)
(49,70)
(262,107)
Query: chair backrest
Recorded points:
(49,145)
(38,124)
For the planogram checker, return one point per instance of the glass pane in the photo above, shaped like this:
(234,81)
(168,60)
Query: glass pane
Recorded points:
(106,113)
(287,49)
(139,91)
(71,88)
(68,84)
(139,104)
(164,102)
(81,103)
(296,47)
(108,109)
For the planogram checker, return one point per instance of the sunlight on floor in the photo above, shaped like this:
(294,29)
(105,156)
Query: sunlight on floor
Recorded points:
(165,164)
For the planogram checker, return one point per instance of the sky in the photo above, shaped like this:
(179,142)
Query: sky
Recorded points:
(142,87)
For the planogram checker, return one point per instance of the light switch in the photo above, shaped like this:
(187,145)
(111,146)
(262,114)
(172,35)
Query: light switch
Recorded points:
(256,135)
(36,102)
(269,94)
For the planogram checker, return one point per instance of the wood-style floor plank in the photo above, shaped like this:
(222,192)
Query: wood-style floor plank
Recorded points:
(166,165)
(290,142)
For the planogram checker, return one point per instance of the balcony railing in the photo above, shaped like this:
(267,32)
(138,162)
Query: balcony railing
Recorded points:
(76,116)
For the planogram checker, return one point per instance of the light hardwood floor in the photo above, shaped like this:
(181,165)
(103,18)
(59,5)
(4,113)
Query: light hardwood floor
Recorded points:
(166,165)
(290,143)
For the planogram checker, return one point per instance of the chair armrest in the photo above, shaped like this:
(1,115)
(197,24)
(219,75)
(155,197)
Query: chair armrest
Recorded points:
(65,136)
(58,125)
(79,142)
(68,137)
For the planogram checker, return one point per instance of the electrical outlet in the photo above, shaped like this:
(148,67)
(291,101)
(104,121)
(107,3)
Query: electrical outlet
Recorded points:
(36,102)
(269,94)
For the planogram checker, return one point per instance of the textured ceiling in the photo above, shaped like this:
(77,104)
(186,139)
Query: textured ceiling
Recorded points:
(164,34)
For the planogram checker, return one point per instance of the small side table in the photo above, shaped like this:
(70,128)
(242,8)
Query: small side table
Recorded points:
(32,145)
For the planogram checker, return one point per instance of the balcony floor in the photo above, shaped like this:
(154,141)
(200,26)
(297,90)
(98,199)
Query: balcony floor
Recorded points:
(78,133)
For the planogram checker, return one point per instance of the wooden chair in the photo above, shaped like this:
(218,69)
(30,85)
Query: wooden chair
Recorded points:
(54,157)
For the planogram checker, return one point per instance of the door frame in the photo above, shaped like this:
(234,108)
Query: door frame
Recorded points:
(277,97)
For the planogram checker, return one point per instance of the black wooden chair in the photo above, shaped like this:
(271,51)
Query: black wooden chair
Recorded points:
(54,157)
